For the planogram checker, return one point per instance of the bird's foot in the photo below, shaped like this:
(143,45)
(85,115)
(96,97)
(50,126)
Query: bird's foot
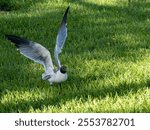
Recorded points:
(52,89)
(60,89)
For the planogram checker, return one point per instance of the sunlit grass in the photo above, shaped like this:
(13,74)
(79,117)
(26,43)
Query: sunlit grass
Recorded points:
(107,53)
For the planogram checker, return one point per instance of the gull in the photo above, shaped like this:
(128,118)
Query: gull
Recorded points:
(41,55)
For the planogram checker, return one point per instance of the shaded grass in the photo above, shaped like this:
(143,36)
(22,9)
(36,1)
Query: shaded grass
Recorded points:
(12,5)
(107,52)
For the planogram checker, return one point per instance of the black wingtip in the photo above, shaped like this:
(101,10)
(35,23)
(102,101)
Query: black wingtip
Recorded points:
(16,40)
(64,20)
(67,8)
(7,36)
(11,37)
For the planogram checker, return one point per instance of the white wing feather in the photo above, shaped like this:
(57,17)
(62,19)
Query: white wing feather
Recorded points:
(33,51)
(61,38)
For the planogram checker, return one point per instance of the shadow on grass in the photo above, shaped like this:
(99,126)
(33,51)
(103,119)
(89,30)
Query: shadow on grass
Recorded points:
(121,90)
(12,5)
(103,26)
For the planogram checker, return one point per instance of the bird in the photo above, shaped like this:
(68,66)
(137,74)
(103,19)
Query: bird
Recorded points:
(38,53)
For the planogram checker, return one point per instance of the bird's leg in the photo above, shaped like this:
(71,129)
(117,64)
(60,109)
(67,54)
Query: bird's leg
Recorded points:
(60,88)
(52,91)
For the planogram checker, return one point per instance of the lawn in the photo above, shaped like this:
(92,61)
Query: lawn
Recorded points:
(107,53)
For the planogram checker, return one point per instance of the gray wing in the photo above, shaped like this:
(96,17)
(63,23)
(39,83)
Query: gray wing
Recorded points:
(33,51)
(61,38)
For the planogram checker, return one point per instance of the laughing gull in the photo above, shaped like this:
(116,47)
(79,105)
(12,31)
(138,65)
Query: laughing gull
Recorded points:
(40,54)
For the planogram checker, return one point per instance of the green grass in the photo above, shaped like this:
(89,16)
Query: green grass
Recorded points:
(107,52)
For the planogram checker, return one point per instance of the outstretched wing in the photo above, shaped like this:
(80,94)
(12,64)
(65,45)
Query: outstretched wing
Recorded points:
(61,37)
(33,51)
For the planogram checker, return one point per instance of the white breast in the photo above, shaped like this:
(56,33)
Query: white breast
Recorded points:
(58,77)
